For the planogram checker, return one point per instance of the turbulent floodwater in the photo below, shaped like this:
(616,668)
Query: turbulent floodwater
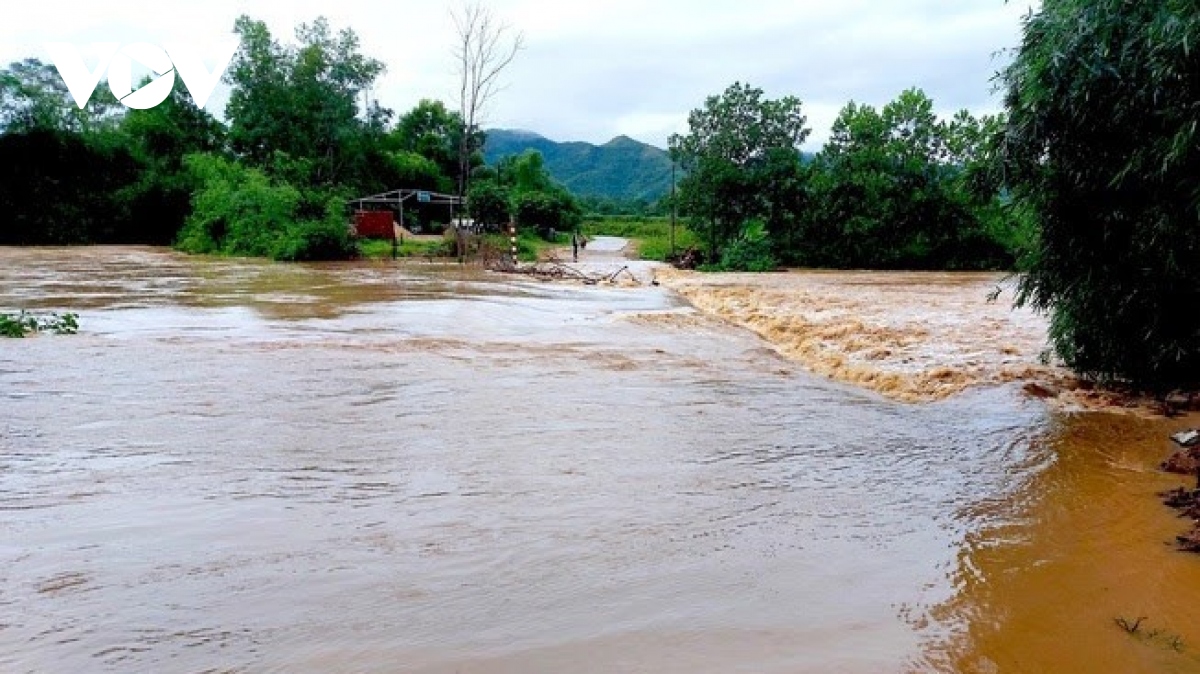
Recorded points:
(909,336)
(249,467)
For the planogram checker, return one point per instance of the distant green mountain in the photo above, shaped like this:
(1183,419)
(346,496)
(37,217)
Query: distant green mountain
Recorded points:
(622,168)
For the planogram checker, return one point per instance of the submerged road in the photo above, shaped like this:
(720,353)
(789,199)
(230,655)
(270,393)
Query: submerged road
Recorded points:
(247,466)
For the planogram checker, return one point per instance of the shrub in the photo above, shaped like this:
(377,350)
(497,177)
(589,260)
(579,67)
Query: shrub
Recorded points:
(751,251)
(19,325)
(240,211)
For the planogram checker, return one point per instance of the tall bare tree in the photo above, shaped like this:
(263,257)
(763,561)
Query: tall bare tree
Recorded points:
(485,48)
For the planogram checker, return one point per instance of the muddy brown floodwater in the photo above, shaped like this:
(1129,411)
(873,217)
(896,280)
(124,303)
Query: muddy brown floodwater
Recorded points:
(240,466)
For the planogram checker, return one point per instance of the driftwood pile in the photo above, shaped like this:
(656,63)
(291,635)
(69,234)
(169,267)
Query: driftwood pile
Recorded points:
(1186,461)
(690,258)
(554,270)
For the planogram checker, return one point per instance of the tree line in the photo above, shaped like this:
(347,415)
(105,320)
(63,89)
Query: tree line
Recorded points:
(892,188)
(1088,184)
(274,180)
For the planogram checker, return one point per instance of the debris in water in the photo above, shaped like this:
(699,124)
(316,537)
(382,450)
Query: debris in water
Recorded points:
(1187,438)
(1190,542)
(1186,501)
(554,270)
(1184,462)
(1039,390)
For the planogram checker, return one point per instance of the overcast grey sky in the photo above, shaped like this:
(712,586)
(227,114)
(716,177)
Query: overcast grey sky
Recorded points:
(591,71)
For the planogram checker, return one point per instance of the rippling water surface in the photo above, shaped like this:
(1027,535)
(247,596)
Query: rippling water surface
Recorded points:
(243,466)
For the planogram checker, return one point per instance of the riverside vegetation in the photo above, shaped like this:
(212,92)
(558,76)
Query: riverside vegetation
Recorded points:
(1086,184)
(299,143)
(23,323)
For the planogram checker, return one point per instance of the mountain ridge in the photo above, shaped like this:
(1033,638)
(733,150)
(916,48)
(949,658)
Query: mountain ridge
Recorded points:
(622,168)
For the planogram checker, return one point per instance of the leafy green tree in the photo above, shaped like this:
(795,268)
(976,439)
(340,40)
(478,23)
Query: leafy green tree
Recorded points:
(58,187)
(434,132)
(173,129)
(785,187)
(974,147)
(535,200)
(896,188)
(489,202)
(724,153)
(545,211)
(414,171)
(851,182)
(913,128)
(160,137)
(66,174)
(302,101)
(525,172)
(1103,149)
(924,217)
(34,96)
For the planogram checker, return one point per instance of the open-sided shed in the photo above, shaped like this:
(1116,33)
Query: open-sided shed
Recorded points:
(393,203)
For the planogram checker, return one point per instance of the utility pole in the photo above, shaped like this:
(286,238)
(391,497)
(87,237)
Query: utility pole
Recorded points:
(672,208)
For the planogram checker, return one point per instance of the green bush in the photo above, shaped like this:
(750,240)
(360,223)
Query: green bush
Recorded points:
(751,251)
(240,211)
(21,324)
(313,240)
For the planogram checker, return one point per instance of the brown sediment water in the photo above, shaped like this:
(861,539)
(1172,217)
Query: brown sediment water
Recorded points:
(911,336)
(1079,554)
(246,466)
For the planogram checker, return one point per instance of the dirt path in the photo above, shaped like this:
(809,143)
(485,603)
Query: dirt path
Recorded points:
(606,256)
(602,246)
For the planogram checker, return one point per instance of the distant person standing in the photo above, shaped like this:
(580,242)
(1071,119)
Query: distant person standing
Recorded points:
(575,246)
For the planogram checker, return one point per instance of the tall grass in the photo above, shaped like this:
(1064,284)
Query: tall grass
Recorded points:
(382,248)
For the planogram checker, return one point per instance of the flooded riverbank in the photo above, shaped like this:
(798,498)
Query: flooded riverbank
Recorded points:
(911,336)
(243,466)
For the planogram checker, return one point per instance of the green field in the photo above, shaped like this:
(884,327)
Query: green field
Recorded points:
(382,248)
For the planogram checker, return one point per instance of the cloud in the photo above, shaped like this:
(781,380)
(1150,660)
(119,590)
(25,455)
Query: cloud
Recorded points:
(591,71)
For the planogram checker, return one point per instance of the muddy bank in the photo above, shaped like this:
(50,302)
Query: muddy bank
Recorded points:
(1187,502)
(1186,461)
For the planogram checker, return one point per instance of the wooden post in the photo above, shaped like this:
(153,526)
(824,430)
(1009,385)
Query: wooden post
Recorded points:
(672,209)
